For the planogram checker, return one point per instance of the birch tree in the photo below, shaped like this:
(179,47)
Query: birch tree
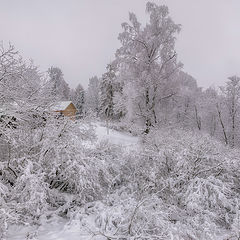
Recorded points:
(231,94)
(151,61)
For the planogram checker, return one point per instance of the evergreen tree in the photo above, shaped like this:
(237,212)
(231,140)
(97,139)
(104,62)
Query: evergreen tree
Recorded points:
(92,96)
(78,98)
(60,88)
(107,92)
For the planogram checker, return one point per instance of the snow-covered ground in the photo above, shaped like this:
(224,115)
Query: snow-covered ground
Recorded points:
(60,229)
(115,137)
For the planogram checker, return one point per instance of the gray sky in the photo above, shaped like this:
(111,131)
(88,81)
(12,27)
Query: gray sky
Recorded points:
(80,36)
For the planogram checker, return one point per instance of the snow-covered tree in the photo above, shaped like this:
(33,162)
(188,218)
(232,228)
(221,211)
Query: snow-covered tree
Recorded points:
(107,84)
(150,62)
(77,96)
(92,96)
(60,88)
(209,99)
(231,93)
(187,105)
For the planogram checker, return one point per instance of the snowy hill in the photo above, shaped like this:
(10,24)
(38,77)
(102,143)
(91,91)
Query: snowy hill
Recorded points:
(115,137)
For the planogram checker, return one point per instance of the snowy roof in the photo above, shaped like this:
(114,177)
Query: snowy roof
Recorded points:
(60,106)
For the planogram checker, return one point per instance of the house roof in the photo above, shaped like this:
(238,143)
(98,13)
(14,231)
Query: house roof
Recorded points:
(60,106)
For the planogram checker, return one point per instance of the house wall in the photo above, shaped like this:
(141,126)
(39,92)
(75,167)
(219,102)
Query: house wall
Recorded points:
(70,111)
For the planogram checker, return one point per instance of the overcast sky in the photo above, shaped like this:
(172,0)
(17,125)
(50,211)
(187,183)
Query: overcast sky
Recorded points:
(80,36)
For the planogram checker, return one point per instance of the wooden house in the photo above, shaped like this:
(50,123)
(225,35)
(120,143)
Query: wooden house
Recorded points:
(65,108)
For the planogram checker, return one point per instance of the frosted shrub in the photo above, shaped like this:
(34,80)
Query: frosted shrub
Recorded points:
(185,172)
(64,158)
(3,211)
(129,218)
(30,194)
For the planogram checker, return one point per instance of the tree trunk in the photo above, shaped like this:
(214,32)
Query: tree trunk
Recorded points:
(198,119)
(233,122)
(148,122)
(222,124)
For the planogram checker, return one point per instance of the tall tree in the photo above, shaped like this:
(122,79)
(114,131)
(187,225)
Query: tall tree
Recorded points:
(186,107)
(23,104)
(77,96)
(151,61)
(231,92)
(209,99)
(60,88)
(107,92)
(92,96)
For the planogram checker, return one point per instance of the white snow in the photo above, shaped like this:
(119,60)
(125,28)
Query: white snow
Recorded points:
(60,106)
(115,137)
(59,230)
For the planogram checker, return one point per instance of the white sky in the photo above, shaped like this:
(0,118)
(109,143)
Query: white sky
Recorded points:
(80,36)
